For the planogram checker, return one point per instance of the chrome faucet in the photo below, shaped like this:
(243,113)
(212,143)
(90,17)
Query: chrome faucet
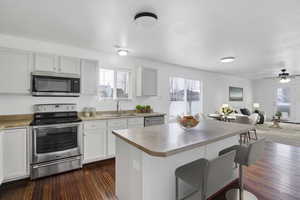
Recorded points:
(118,106)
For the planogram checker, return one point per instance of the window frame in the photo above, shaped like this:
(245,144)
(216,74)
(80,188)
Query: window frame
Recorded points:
(171,118)
(114,97)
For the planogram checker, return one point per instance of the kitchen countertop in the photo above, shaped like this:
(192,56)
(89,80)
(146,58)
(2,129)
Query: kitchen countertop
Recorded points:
(169,139)
(126,115)
(15,121)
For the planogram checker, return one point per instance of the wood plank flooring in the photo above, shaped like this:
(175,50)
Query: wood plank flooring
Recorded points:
(275,177)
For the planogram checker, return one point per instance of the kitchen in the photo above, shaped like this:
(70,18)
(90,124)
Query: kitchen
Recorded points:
(106,99)
(94,132)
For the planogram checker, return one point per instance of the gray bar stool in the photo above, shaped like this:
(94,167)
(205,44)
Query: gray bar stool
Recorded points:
(246,155)
(205,176)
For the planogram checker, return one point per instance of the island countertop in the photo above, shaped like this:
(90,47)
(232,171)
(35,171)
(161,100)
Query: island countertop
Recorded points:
(169,139)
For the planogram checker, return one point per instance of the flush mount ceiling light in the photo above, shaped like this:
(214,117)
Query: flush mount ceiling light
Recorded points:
(122,52)
(227,59)
(145,18)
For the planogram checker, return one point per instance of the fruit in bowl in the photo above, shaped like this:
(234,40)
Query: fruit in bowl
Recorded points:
(188,121)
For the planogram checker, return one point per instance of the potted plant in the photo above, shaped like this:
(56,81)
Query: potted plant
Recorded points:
(139,108)
(143,109)
(278,115)
(147,108)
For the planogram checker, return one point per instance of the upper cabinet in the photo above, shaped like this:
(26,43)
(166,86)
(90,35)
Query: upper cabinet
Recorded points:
(58,64)
(89,76)
(45,62)
(15,68)
(69,65)
(146,82)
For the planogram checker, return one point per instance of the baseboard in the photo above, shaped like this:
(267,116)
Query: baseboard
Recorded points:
(97,159)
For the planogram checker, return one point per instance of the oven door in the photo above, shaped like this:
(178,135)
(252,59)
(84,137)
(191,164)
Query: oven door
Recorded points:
(55,85)
(52,142)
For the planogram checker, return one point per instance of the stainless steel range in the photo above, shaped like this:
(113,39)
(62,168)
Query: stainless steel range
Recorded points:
(56,140)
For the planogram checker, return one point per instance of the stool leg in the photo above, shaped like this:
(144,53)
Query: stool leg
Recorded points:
(176,189)
(241,182)
(249,136)
(255,134)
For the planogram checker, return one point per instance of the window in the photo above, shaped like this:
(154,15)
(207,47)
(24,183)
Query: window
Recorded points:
(185,96)
(283,102)
(114,84)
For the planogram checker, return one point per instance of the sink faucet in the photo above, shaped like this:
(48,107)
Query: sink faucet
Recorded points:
(118,106)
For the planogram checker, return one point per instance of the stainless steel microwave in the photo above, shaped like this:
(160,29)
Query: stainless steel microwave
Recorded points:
(55,84)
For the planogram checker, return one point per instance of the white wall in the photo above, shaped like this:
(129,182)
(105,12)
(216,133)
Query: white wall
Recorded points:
(264,93)
(215,86)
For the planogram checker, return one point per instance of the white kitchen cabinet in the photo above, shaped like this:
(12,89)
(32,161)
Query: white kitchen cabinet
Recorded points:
(94,140)
(136,122)
(1,157)
(89,76)
(15,68)
(45,62)
(69,65)
(146,84)
(15,160)
(59,64)
(114,124)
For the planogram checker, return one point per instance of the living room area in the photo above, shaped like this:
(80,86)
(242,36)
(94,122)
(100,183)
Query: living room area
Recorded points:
(273,109)
(279,101)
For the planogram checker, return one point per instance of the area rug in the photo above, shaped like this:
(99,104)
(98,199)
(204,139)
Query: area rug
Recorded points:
(288,133)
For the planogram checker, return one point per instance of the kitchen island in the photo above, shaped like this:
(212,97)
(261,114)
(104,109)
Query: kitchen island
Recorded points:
(146,158)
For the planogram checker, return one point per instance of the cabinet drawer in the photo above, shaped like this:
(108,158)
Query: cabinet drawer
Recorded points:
(135,121)
(92,125)
(117,123)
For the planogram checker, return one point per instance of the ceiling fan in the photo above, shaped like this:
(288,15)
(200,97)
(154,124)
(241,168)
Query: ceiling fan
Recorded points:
(284,76)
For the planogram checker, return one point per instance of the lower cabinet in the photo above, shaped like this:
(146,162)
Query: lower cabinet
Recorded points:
(136,122)
(114,124)
(94,145)
(94,140)
(1,157)
(15,160)
(99,141)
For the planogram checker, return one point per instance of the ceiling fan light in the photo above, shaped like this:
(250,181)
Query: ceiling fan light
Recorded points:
(122,52)
(285,80)
(227,59)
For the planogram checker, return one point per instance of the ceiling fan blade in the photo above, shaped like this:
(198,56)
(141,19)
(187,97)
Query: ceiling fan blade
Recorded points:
(295,75)
(274,77)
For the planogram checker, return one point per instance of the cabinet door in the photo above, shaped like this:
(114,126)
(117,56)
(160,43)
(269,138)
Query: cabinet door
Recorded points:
(15,68)
(136,122)
(69,65)
(15,154)
(94,145)
(149,82)
(114,124)
(45,62)
(89,77)
(1,157)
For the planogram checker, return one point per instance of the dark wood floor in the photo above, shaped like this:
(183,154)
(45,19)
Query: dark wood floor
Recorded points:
(275,177)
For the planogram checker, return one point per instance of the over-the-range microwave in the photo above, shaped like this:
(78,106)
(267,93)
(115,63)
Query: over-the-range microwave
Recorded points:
(55,84)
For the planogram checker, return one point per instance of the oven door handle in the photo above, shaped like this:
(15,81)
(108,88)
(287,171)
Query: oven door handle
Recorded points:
(55,162)
(58,125)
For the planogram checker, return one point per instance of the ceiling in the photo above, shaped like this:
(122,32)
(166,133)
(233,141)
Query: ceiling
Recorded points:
(264,35)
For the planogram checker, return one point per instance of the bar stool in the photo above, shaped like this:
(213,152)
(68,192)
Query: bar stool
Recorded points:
(205,176)
(246,155)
